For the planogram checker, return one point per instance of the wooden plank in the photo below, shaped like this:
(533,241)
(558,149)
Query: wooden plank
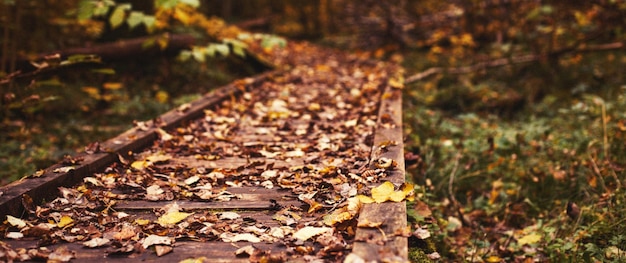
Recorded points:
(370,244)
(193,205)
(44,186)
(215,251)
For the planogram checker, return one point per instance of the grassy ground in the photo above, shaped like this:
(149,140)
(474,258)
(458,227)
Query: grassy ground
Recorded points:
(85,107)
(522,177)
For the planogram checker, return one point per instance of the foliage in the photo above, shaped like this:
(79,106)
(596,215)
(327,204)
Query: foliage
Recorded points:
(518,173)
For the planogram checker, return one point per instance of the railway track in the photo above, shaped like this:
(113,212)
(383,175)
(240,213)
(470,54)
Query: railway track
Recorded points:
(300,164)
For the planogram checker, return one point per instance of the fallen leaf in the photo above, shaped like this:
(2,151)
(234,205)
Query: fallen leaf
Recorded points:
(96,242)
(192,180)
(14,221)
(421,233)
(158,158)
(529,239)
(245,251)
(156,240)
(366,223)
(140,165)
(125,233)
(229,215)
(163,135)
(61,254)
(14,235)
(65,221)
(63,169)
(383,192)
(172,218)
(229,237)
(309,231)
(194,260)
(142,222)
(161,250)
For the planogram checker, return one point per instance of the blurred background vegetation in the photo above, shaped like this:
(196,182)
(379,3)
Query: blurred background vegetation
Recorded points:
(514,109)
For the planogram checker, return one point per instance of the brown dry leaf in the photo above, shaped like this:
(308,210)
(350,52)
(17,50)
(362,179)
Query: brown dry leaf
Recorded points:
(126,232)
(154,193)
(96,242)
(229,216)
(366,223)
(16,222)
(14,235)
(161,250)
(245,251)
(61,254)
(156,240)
(309,231)
(421,233)
(158,158)
(163,135)
(230,237)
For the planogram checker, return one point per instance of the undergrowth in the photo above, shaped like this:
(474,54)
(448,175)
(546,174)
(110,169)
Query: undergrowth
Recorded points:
(81,107)
(540,182)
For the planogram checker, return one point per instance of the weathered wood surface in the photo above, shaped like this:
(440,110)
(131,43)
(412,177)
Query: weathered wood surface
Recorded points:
(281,151)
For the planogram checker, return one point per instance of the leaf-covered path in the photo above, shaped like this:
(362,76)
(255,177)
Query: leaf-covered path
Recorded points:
(301,163)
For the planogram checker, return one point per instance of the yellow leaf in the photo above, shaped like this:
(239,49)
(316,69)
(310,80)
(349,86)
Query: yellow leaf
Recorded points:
(493,259)
(382,192)
(140,165)
(142,222)
(397,83)
(194,260)
(65,221)
(365,199)
(162,96)
(172,218)
(159,158)
(112,85)
(182,16)
(93,92)
(397,196)
(529,239)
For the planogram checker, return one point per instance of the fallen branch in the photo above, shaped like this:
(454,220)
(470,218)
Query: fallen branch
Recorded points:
(507,61)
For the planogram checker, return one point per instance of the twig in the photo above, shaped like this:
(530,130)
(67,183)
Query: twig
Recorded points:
(455,203)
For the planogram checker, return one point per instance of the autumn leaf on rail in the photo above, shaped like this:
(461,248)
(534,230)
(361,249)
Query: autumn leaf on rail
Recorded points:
(386,192)
(344,213)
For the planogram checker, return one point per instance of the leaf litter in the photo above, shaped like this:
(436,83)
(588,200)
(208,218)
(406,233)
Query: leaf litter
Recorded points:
(306,134)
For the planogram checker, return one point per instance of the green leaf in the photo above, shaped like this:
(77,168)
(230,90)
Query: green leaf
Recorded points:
(149,21)
(184,55)
(101,8)
(117,17)
(108,71)
(134,19)
(199,54)
(223,49)
(86,9)
(166,4)
(193,3)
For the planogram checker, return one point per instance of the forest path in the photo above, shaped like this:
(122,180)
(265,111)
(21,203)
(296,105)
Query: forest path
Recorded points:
(282,166)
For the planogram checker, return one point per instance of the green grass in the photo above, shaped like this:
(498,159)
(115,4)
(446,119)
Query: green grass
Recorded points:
(38,134)
(515,169)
